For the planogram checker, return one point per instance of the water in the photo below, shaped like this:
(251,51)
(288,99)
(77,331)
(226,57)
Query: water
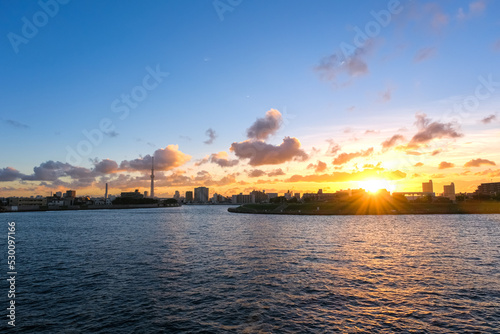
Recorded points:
(201,269)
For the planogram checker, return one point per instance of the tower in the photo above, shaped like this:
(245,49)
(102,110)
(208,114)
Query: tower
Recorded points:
(106,193)
(152,193)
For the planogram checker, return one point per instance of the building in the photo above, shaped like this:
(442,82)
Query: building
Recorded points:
(70,193)
(136,194)
(177,195)
(152,177)
(427,187)
(488,189)
(297,196)
(272,195)
(260,196)
(189,196)
(201,195)
(145,194)
(243,199)
(449,191)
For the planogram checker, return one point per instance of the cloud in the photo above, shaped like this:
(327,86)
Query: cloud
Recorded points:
(436,152)
(386,95)
(211,136)
(111,134)
(345,177)
(392,141)
(489,119)
(354,65)
(319,167)
(431,130)
(261,153)
(256,173)
(262,128)
(423,54)
(367,132)
(276,172)
(106,166)
(346,157)
(444,165)
(49,171)
(479,162)
(222,159)
(475,8)
(438,18)
(419,164)
(165,159)
(496,45)
(16,124)
(9,174)
(333,148)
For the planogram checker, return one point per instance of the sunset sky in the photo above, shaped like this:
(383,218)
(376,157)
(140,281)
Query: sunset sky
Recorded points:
(241,95)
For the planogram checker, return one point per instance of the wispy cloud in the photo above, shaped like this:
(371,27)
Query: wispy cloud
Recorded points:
(16,124)
(211,136)
(346,157)
(423,54)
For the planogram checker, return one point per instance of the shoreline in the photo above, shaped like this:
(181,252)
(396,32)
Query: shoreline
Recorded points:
(344,209)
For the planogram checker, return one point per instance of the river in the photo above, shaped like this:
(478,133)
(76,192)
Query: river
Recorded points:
(201,269)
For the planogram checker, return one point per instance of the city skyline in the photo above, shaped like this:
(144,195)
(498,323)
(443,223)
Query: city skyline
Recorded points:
(386,94)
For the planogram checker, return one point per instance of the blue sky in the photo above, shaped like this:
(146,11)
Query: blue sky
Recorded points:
(225,74)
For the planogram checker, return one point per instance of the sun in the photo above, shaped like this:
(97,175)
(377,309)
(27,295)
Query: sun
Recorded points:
(374,185)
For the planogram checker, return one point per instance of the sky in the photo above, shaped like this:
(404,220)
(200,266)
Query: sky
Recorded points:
(238,95)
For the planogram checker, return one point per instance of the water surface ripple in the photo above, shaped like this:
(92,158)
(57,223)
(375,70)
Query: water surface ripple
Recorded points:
(200,269)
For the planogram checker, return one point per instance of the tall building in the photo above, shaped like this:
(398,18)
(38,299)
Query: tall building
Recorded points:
(177,196)
(488,188)
(106,193)
(449,191)
(152,177)
(427,187)
(189,196)
(201,195)
(70,194)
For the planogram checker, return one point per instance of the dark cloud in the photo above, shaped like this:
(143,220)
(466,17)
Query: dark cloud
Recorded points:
(261,153)
(10,174)
(256,173)
(431,130)
(479,162)
(106,166)
(264,127)
(346,157)
(276,172)
(444,165)
(165,159)
(489,119)
(392,141)
(211,136)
